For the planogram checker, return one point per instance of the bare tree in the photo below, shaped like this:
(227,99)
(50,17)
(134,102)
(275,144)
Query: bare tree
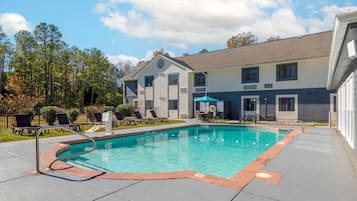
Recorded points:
(242,39)
(272,38)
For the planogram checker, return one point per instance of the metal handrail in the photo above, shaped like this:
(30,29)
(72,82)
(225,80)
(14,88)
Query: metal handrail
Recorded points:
(63,158)
(301,124)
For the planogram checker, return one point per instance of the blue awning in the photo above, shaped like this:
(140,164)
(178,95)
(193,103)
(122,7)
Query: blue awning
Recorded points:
(205,99)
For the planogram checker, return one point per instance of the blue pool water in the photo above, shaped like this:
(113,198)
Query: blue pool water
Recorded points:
(216,150)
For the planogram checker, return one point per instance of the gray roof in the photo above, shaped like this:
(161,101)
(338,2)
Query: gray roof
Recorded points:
(340,65)
(301,47)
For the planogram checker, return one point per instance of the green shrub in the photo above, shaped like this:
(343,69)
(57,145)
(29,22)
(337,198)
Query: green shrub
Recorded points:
(108,108)
(125,109)
(49,114)
(73,115)
(29,111)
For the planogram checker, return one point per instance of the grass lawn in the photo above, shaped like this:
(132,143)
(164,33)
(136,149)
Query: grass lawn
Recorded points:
(6,135)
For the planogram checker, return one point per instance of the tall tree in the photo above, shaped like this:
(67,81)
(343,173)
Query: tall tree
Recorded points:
(45,68)
(5,55)
(97,66)
(242,39)
(49,41)
(24,59)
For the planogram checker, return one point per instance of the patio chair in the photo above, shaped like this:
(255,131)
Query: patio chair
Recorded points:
(98,119)
(154,115)
(23,122)
(121,119)
(210,117)
(139,118)
(63,121)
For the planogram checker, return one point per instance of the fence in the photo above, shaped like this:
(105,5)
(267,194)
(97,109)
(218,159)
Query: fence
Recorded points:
(6,119)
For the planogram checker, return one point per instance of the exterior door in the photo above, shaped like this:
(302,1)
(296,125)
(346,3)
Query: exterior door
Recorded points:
(333,109)
(250,107)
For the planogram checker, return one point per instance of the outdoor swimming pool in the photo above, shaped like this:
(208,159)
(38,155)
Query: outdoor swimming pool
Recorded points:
(216,150)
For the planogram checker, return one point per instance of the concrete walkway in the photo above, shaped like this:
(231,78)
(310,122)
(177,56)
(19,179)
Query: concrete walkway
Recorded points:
(315,167)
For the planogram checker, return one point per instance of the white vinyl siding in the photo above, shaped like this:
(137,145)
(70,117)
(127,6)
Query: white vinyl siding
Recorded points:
(347,110)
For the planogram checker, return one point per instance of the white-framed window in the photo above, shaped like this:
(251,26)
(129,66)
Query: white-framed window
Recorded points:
(287,107)
(173,104)
(287,104)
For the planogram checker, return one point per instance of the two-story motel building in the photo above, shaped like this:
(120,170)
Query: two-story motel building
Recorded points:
(278,80)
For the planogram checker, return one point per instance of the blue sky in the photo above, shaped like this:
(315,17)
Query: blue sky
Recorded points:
(129,30)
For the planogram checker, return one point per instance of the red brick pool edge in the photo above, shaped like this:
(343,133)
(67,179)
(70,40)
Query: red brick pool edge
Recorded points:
(255,170)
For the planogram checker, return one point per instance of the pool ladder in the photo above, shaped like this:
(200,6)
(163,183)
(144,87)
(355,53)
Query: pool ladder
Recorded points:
(295,123)
(65,157)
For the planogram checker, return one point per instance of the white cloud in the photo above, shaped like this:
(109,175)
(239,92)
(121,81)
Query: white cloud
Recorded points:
(11,23)
(327,20)
(121,60)
(184,22)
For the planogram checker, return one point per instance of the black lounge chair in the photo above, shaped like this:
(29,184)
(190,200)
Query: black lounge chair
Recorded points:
(98,118)
(99,121)
(139,118)
(154,115)
(63,121)
(121,119)
(23,122)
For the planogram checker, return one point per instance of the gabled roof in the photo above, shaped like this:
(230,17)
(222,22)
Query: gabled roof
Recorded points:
(134,71)
(301,47)
(142,65)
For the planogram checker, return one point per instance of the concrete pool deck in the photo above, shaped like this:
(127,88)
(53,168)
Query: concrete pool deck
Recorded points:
(314,166)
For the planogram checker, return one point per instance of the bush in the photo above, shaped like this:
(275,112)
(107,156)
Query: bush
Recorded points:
(49,114)
(29,111)
(73,115)
(125,109)
(108,108)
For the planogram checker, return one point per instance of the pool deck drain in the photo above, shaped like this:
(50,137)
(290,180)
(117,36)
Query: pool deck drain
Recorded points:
(238,181)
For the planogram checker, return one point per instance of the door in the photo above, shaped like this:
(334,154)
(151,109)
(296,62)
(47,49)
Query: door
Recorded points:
(250,107)
(333,109)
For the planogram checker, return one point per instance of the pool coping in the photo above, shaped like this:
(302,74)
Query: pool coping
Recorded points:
(238,181)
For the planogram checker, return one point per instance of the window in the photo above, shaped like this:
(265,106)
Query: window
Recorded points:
(287,104)
(173,79)
(149,81)
(198,106)
(172,104)
(149,104)
(250,75)
(286,72)
(200,79)
(249,104)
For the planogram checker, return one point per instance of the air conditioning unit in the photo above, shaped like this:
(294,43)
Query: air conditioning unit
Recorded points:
(200,89)
(247,87)
(183,90)
(268,85)
(351,49)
